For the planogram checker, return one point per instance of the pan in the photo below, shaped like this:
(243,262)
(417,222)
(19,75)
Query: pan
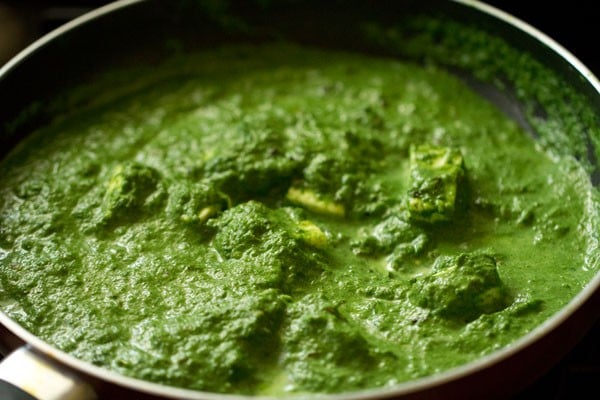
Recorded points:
(130,32)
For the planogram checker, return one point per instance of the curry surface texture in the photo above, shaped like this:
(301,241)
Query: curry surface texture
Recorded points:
(274,219)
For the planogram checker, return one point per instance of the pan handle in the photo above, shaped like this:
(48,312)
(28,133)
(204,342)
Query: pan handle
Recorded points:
(27,375)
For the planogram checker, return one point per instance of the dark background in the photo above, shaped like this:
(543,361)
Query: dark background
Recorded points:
(573,24)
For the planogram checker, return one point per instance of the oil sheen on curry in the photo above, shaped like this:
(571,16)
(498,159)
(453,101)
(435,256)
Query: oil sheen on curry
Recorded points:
(276,220)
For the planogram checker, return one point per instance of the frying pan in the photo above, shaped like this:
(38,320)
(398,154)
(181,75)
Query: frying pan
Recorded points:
(135,31)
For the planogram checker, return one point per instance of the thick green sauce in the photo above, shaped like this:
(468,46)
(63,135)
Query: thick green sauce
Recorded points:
(275,219)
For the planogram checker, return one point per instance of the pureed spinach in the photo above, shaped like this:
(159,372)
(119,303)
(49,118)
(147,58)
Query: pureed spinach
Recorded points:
(275,219)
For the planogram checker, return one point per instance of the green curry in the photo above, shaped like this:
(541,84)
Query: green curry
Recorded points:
(276,219)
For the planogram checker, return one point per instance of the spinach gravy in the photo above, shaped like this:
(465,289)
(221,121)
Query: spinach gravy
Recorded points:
(274,219)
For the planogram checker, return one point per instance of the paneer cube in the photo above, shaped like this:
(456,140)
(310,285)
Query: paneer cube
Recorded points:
(436,174)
